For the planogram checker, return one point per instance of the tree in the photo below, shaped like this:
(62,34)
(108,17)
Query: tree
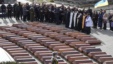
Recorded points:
(51,0)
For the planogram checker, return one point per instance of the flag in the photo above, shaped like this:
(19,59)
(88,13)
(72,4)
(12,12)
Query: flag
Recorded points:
(101,3)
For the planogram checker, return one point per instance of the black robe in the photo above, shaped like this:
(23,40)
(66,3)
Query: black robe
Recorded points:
(80,22)
(76,20)
(67,19)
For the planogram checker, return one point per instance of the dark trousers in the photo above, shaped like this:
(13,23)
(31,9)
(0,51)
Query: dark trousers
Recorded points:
(41,17)
(28,16)
(87,30)
(24,18)
(100,23)
(112,28)
(61,19)
(9,14)
(105,24)
(14,14)
(110,24)
(3,14)
(46,18)
(37,17)
(17,16)
(95,23)
(21,16)
(51,17)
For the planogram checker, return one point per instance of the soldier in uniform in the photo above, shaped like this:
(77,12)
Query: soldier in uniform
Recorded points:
(3,9)
(9,10)
(54,59)
(32,13)
(67,17)
(28,11)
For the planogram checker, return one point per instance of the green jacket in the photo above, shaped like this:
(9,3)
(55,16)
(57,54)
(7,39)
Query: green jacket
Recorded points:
(54,61)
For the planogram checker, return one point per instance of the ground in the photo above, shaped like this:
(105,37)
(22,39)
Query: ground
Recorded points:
(106,36)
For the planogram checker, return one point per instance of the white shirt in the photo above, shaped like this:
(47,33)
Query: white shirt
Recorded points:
(89,22)
(75,15)
(71,18)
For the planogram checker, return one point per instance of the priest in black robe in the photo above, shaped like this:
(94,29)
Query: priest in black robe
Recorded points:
(75,19)
(67,17)
(71,20)
(80,17)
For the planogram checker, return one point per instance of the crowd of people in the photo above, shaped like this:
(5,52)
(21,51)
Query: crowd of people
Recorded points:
(73,18)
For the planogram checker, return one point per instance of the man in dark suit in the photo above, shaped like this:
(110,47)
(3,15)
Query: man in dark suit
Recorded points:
(41,13)
(61,10)
(3,10)
(9,10)
(67,17)
(21,11)
(17,13)
(56,15)
(14,9)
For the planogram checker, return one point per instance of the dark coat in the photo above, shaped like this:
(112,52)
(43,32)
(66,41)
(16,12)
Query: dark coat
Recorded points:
(3,8)
(9,8)
(32,14)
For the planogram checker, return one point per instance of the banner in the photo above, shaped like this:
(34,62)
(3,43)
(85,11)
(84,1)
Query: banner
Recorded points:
(101,3)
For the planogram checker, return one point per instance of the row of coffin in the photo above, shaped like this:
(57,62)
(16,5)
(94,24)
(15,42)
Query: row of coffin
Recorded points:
(62,33)
(62,43)
(41,52)
(20,55)
(43,40)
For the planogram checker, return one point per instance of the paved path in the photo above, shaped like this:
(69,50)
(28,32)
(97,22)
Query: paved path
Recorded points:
(4,56)
(106,37)
(9,22)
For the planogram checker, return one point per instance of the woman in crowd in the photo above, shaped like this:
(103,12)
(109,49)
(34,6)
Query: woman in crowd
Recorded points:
(105,19)
(111,21)
(80,17)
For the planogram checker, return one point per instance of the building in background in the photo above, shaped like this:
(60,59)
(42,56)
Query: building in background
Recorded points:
(7,1)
